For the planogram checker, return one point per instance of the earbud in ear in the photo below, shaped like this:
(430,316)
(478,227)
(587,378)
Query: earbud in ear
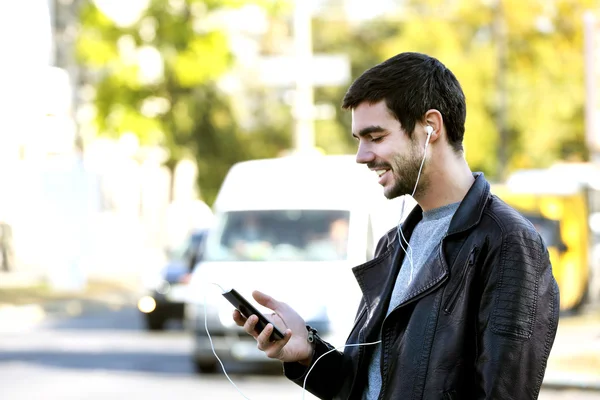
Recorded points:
(429,131)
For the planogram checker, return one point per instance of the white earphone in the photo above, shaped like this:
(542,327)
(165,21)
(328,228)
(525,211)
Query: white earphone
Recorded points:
(429,130)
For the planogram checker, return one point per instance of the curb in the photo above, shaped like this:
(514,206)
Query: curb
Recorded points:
(17,318)
(88,305)
(565,380)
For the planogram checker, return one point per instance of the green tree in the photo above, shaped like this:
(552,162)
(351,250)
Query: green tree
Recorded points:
(540,75)
(176,103)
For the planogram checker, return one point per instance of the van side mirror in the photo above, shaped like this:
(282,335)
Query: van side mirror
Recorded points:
(562,247)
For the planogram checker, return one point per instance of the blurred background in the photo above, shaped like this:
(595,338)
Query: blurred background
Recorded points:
(119,121)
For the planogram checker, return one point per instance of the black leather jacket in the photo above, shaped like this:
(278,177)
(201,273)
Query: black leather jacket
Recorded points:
(478,321)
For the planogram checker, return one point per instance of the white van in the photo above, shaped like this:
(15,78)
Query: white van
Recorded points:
(292,227)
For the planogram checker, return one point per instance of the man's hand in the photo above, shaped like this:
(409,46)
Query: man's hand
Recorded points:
(294,347)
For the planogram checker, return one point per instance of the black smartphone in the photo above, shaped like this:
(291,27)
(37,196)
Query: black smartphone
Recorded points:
(247,309)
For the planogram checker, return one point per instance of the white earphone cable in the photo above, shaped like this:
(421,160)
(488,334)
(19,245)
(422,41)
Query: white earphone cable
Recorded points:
(324,354)
(399,230)
(213,347)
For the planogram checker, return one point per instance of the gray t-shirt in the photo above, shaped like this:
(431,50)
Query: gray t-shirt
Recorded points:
(427,234)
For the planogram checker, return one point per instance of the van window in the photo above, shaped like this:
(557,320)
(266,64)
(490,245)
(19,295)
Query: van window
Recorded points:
(279,235)
(548,229)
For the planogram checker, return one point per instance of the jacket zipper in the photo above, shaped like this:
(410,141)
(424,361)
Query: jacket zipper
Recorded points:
(383,376)
(458,290)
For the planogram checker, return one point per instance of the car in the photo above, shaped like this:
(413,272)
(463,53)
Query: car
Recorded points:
(166,292)
(279,223)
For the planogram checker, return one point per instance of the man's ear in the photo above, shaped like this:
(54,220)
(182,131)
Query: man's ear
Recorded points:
(434,119)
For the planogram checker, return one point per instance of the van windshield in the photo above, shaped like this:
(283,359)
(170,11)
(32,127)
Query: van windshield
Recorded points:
(279,235)
(548,229)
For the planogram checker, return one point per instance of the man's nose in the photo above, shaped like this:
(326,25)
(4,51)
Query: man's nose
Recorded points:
(364,155)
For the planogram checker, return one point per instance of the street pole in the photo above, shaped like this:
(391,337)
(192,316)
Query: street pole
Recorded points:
(304,131)
(51,4)
(65,15)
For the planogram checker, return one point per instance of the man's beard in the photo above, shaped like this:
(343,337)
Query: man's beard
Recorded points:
(405,170)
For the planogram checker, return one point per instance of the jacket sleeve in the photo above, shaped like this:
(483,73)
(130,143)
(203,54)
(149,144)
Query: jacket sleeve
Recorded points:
(518,317)
(325,377)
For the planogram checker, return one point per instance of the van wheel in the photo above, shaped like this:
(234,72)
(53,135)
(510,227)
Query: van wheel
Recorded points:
(155,323)
(205,367)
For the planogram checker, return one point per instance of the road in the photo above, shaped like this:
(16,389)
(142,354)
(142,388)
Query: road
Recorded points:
(107,355)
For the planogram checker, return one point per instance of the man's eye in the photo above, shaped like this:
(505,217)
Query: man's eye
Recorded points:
(377,139)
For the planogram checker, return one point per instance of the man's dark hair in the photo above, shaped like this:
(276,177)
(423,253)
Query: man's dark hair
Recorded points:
(411,84)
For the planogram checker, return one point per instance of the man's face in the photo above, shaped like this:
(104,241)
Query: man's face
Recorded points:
(385,148)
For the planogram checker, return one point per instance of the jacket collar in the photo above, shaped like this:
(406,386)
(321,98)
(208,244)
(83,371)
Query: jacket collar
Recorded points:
(466,216)
(471,207)
(377,277)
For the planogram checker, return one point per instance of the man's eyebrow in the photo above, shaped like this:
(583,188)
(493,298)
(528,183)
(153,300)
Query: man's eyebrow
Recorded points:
(368,130)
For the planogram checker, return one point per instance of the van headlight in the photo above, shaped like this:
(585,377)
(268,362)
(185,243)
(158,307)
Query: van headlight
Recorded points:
(146,304)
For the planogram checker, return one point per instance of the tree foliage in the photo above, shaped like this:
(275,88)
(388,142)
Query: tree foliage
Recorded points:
(544,70)
(158,79)
(180,105)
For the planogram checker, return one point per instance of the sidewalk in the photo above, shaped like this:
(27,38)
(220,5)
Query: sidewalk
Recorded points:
(575,358)
(26,299)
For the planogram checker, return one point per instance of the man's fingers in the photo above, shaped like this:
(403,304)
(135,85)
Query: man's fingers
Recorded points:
(275,349)
(287,335)
(238,318)
(263,339)
(250,324)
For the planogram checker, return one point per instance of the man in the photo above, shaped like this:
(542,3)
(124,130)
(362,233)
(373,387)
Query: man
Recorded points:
(460,303)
